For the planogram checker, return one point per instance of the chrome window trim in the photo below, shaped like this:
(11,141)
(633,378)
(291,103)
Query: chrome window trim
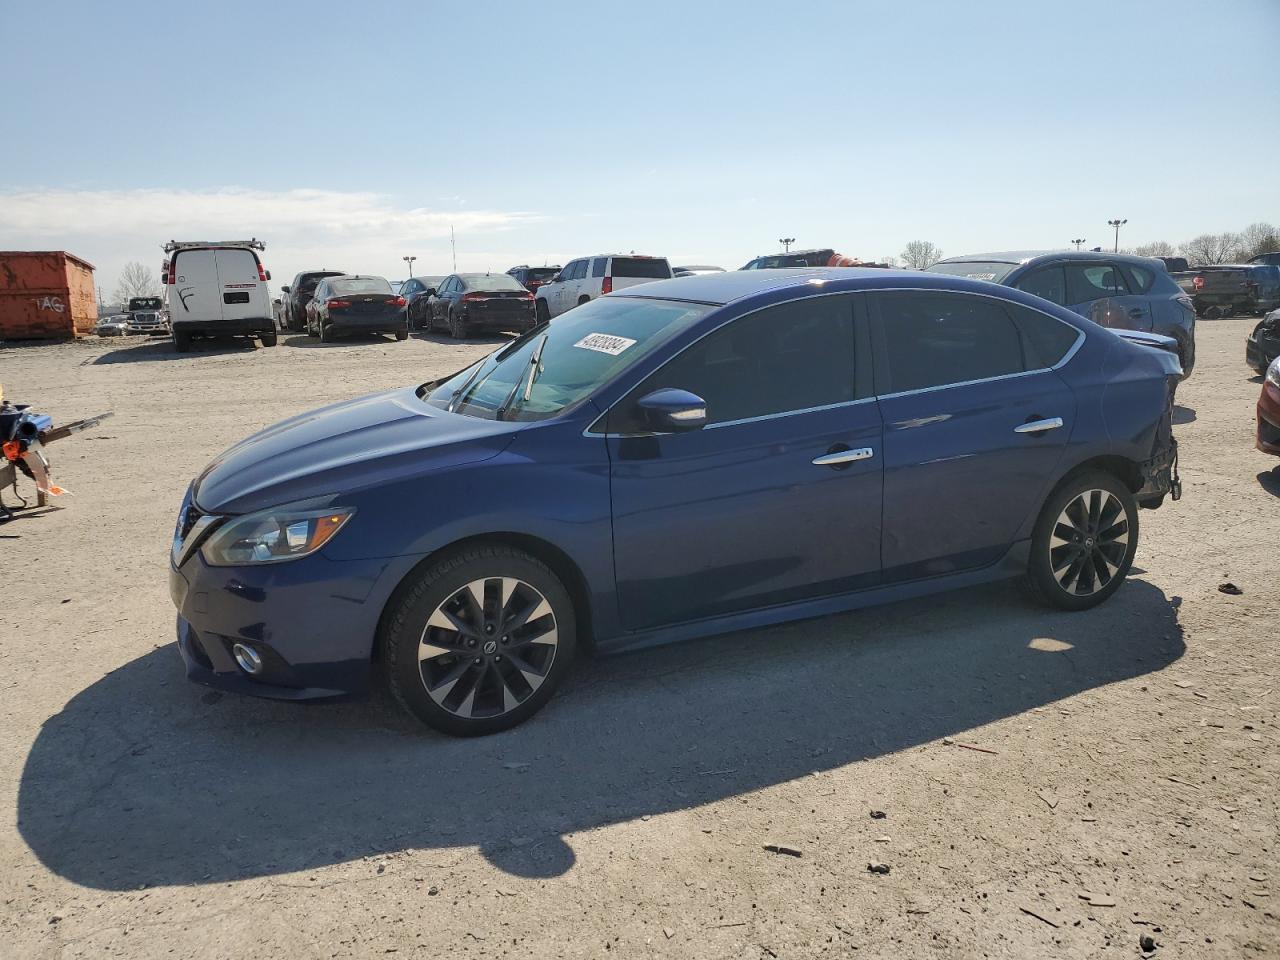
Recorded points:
(1066,358)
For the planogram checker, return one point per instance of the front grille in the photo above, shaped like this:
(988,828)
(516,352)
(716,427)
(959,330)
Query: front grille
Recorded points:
(188,520)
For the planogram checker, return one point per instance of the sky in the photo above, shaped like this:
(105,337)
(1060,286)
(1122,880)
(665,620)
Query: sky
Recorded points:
(347,136)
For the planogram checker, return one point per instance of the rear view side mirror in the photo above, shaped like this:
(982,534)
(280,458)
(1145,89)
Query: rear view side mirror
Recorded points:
(429,292)
(670,410)
(285,288)
(268,274)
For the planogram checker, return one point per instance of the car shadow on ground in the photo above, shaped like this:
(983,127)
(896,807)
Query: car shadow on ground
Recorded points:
(1183,414)
(496,339)
(161,348)
(144,779)
(305,341)
(1269,480)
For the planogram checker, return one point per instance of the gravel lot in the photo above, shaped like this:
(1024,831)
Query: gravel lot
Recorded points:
(1126,784)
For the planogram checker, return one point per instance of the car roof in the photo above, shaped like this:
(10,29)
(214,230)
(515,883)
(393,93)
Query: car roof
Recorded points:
(432,276)
(793,253)
(358,276)
(719,289)
(1027,256)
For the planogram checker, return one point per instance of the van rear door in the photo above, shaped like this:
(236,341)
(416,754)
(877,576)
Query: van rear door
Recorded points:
(241,291)
(195,295)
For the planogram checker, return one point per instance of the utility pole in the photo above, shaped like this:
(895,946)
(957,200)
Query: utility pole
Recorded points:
(1078,242)
(1117,224)
(786,243)
(454,247)
(409,261)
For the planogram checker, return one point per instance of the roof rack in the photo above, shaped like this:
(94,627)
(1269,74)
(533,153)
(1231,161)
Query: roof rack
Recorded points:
(253,244)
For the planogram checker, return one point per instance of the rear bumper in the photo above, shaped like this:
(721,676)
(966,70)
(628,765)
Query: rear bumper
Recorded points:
(479,320)
(226,328)
(388,322)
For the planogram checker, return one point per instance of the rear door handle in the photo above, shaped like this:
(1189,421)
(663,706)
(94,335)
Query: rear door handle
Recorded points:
(838,457)
(1039,426)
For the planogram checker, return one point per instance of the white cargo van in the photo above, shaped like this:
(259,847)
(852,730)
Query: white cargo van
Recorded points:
(217,289)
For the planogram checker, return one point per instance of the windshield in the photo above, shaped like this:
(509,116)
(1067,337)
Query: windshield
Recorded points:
(493,281)
(583,349)
(974,269)
(360,285)
(144,303)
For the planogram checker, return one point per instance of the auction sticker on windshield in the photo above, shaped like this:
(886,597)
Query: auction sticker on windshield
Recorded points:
(605,343)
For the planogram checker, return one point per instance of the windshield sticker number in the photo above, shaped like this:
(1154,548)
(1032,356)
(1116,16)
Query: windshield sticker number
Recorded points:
(605,343)
(981,276)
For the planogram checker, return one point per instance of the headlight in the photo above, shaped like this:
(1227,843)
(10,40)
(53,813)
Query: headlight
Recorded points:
(273,536)
(1273,373)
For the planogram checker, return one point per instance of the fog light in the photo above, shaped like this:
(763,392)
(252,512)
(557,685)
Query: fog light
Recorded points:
(249,659)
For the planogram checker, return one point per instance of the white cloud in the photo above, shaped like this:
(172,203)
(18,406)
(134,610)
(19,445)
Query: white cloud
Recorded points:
(303,228)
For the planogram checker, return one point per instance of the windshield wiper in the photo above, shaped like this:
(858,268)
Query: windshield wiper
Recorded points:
(534,364)
(457,397)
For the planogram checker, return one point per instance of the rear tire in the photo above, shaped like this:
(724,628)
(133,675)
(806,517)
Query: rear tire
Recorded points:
(181,341)
(1084,540)
(582,300)
(326,333)
(457,326)
(454,659)
(402,333)
(269,339)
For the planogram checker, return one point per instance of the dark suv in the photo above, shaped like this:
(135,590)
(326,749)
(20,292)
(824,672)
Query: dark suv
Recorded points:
(1113,290)
(293,307)
(531,278)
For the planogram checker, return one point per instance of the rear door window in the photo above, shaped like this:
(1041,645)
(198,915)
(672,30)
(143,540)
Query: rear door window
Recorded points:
(1047,282)
(1087,282)
(649,268)
(937,339)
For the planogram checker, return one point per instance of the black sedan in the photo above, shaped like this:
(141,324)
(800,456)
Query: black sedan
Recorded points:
(355,304)
(1263,345)
(417,293)
(467,302)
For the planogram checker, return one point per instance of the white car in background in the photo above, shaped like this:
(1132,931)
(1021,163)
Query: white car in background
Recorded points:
(586,278)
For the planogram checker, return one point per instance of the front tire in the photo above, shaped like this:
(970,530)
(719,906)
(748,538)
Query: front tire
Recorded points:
(1084,541)
(479,640)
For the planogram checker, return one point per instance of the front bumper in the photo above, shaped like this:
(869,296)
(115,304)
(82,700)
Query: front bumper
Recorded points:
(1262,347)
(1268,440)
(312,621)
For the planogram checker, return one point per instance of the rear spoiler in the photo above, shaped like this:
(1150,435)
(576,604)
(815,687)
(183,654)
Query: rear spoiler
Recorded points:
(252,244)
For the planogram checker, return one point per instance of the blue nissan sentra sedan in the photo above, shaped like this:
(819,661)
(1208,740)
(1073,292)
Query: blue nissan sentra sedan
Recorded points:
(689,457)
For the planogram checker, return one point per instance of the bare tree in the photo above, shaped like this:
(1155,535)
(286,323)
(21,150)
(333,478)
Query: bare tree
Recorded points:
(919,254)
(136,281)
(1258,238)
(1211,248)
(1156,248)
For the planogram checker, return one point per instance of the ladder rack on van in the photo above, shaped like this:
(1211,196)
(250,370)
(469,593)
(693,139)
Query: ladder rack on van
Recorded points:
(172,245)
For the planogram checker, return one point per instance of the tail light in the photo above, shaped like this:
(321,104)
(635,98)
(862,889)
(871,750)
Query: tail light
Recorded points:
(262,271)
(337,303)
(526,296)
(1197,284)
(606,285)
(473,297)
(396,301)
(167,272)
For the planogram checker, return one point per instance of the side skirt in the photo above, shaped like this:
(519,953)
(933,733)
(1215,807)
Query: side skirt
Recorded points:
(1012,564)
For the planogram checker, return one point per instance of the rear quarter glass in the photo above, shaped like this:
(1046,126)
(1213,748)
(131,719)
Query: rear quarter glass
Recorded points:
(651,269)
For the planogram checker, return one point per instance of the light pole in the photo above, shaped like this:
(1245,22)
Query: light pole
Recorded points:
(409,261)
(786,243)
(1117,224)
(1078,242)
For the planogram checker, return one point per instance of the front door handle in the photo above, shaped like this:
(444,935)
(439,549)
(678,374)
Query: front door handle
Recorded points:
(1039,426)
(838,458)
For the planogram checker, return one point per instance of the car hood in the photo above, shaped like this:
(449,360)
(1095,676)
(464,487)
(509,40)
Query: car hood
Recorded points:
(345,447)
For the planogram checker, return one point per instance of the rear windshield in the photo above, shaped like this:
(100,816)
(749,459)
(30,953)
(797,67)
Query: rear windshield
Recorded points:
(494,281)
(974,269)
(308,282)
(144,303)
(361,285)
(649,268)
(542,273)
(817,258)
